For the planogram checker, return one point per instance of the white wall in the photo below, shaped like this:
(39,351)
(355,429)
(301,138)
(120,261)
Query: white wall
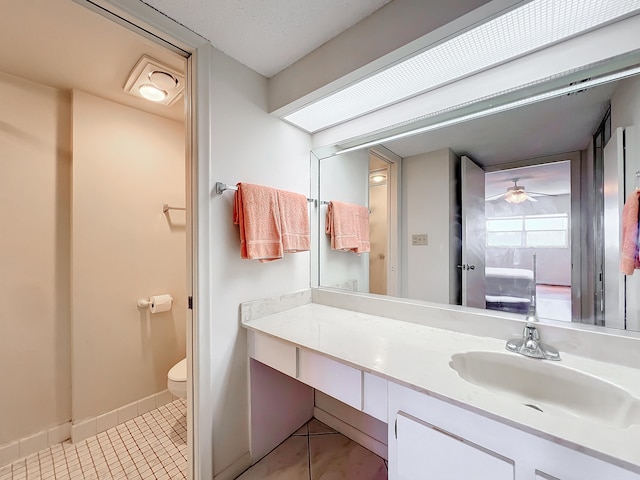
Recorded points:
(428,206)
(34,258)
(126,164)
(251,146)
(343,178)
(553,264)
(625,104)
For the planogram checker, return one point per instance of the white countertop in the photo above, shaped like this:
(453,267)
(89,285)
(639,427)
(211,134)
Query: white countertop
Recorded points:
(418,356)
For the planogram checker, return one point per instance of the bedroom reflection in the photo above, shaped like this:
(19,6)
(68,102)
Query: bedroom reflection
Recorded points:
(547,148)
(528,210)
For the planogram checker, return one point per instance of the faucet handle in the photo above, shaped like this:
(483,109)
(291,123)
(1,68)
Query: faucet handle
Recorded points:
(530,332)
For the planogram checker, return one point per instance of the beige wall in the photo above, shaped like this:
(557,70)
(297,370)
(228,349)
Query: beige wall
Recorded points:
(126,164)
(378,235)
(35,369)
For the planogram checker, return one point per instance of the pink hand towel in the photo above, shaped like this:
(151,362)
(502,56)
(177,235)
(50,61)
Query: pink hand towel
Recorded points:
(364,246)
(348,226)
(629,250)
(294,220)
(256,213)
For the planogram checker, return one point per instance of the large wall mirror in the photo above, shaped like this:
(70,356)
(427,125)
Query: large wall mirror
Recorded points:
(459,213)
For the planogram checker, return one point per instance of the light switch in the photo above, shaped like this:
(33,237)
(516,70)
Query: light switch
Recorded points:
(419,239)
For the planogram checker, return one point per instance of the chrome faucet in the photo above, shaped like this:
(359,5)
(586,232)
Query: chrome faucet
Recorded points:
(530,345)
(532,314)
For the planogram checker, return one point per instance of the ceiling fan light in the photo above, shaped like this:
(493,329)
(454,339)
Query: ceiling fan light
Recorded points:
(516,197)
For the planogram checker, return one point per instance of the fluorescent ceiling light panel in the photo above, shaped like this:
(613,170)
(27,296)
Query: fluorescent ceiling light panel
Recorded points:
(500,108)
(535,25)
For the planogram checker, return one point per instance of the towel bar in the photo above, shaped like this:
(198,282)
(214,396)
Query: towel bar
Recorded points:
(166,207)
(222,187)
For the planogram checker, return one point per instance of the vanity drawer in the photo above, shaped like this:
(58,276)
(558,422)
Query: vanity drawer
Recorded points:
(333,378)
(374,396)
(279,355)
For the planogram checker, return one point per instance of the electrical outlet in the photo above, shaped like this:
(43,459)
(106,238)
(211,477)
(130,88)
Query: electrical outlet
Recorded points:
(419,239)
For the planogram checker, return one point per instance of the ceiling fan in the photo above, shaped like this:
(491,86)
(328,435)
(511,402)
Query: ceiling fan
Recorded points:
(516,194)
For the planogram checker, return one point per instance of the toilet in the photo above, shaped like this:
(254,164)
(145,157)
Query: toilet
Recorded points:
(177,379)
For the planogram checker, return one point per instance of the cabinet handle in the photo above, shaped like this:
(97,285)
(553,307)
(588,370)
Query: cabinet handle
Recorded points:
(396,428)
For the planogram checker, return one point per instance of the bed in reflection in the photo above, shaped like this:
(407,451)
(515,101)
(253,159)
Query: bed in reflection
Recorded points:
(508,289)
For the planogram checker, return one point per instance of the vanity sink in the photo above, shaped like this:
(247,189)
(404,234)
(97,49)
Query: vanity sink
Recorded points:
(549,387)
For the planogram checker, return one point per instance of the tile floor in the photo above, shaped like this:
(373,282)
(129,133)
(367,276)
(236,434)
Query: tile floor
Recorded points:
(151,446)
(317,452)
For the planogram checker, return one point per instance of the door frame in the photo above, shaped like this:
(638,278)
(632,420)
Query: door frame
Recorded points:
(393,220)
(150,23)
(576,234)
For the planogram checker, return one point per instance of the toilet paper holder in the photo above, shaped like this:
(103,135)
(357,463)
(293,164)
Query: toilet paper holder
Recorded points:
(146,302)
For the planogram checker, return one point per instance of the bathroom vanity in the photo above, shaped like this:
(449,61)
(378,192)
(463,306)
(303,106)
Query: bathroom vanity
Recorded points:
(398,368)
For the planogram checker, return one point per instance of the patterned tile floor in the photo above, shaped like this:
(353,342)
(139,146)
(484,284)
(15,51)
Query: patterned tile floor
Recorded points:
(317,452)
(151,446)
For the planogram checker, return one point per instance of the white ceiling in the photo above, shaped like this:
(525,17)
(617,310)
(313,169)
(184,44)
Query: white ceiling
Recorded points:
(267,36)
(559,125)
(550,179)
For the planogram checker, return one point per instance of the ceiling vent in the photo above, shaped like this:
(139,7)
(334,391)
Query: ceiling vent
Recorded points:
(152,80)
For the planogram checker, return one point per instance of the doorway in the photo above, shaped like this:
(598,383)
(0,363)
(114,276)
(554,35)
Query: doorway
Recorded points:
(378,223)
(76,91)
(528,212)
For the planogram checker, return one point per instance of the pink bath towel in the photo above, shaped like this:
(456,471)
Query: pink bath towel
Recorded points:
(294,220)
(348,226)
(256,213)
(629,260)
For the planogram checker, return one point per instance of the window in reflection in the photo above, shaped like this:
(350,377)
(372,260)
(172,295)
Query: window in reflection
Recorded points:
(529,231)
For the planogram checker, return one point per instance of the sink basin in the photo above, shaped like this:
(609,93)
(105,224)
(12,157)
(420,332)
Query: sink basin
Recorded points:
(549,387)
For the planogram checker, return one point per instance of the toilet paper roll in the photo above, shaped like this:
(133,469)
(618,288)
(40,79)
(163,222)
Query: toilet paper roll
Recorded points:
(161,303)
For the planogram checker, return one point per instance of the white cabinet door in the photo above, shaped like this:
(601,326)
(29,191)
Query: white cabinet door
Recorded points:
(427,452)
(544,476)
(557,462)
(435,440)
(602,471)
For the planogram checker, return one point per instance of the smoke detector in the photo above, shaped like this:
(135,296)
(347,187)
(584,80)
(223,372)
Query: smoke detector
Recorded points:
(154,81)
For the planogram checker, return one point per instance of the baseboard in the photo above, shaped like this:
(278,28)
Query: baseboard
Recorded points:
(353,433)
(89,427)
(235,469)
(23,447)
(76,432)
